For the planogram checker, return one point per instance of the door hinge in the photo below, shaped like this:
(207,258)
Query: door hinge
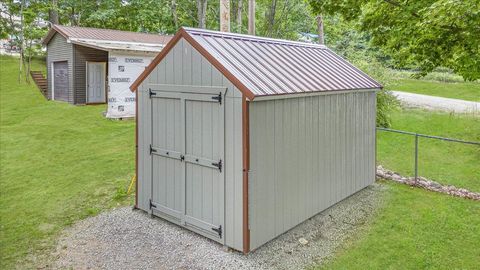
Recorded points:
(218,98)
(152,205)
(152,150)
(218,165)
(218,230)
(182,158)
(151,93)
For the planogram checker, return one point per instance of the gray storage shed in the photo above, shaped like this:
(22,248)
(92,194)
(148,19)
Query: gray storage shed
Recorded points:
(241,138)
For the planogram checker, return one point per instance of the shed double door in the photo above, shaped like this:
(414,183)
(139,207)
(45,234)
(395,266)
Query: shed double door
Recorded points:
(188,160)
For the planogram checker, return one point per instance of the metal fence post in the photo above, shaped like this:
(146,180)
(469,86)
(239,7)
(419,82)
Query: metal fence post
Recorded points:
(419,135)
(416,157)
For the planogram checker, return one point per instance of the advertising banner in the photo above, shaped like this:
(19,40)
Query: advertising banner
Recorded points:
(123,69)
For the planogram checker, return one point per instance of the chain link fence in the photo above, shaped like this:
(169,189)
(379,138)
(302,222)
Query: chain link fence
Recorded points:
(448,161)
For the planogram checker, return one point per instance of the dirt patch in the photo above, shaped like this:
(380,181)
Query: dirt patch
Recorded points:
(130,239)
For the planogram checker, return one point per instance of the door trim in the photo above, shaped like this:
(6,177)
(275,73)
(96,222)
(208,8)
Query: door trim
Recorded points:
(52,74)
(104,64)
(190,89)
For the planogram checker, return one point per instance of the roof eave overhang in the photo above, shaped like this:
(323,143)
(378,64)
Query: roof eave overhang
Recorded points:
(315,93)
(93,46)
(86,45)
(182,33)
(53,30)
(133,51)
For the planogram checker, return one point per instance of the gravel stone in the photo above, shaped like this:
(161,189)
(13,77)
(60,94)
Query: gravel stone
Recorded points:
(130,239)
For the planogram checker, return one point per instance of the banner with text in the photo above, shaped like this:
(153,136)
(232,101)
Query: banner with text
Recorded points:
(123,70)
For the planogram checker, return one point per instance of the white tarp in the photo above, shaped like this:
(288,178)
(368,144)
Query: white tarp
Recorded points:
(123,69)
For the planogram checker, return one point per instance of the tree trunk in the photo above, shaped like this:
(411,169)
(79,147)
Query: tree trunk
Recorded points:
(321,39)
(21,60)
(29,63)
(271,17)
(175,14)
(239,16)
(225,15)
(201,13)
(251,17)
(53,13)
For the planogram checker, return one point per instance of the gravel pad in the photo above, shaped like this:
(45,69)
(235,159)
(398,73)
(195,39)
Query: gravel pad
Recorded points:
(129,239)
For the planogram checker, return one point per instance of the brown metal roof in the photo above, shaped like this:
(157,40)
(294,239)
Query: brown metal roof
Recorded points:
(262,67)
(75,32)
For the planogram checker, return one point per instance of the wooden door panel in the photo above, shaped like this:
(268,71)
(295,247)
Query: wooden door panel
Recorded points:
(204,158)
(167,175)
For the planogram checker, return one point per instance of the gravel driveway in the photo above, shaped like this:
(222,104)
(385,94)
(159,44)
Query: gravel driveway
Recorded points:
(437,103)
(129,239)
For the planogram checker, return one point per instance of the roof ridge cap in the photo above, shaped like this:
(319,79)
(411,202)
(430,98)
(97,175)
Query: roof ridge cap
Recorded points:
(252,38)
(108,29)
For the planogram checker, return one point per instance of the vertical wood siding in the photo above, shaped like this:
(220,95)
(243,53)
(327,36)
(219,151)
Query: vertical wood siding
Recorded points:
(59,50)
(81,55)
(185,66)
(307,154)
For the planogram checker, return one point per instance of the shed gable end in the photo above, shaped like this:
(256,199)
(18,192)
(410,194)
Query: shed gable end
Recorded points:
(58,49)
(184,65)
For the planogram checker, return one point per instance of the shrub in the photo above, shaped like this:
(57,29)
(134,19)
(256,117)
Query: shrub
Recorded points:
(386,101)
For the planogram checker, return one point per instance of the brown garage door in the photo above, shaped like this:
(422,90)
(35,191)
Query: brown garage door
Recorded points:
(60,80)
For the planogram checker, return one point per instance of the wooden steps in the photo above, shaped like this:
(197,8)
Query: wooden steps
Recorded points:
(41,82)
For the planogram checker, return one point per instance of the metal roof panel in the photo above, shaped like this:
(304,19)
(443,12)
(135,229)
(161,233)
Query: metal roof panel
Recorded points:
(110,35)
(274,67)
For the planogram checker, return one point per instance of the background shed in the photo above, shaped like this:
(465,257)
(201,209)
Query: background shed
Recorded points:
(92,66)
(241,138)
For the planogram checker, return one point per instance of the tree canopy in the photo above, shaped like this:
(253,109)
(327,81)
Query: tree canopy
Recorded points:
(424,33)
(421,34)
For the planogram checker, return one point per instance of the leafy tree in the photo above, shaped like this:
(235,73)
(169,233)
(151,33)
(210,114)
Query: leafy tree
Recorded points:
(427,33)
(22,21)
(274,18)
(344,38)
(283,18)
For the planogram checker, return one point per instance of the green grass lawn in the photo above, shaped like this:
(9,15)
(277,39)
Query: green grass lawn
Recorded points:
(416,229)
(445,162)
(460,90)
(59,163)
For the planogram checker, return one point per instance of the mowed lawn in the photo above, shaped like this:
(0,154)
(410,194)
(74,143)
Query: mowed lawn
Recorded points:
(416,229)
(459,90)
(445,162)
(59,163)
